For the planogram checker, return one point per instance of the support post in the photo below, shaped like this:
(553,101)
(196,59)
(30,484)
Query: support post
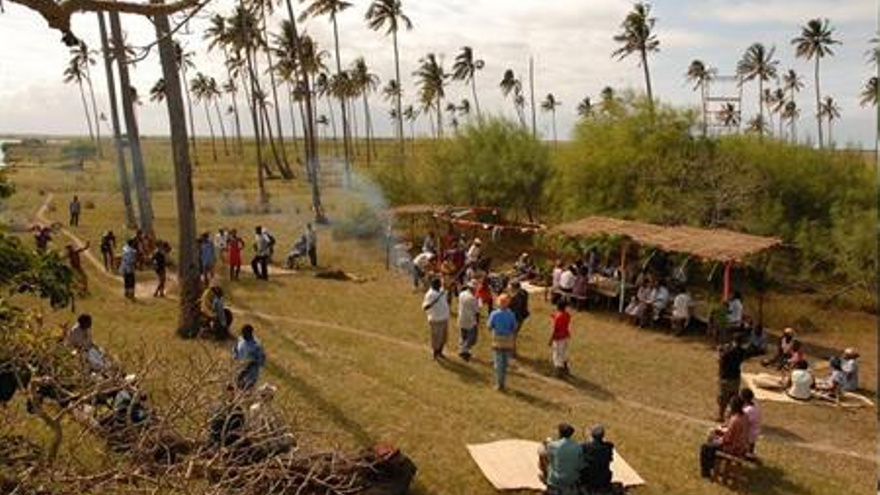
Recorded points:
(728,268)
(622,302)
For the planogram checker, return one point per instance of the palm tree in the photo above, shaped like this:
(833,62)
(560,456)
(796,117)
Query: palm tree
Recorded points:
(585,107)
(607,99)
(217,36)
(332,8)
(792,83)
(729,116)
(411,114)
(431,79)
(815,42)
(200,87)
(389,14)
(185,62)
(757,124)
(157,91)
(121,166)
(365,82)
(700,75)
(791,112)
(323,89)
(214,95)
(511,85)
(869,93)
(830,110)
(287,69)
(452,109)
(464,108)
(82,56)
(758,63)
(637,36)
(74,73)
(779,101)
(549,105)
(465,69)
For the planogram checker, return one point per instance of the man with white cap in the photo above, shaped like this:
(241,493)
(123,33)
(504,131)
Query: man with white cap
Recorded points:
(421,263)
(468,319)
(596,475)
(436,306)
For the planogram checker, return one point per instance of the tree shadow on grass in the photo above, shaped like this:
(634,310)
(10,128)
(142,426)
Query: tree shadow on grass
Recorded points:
(772,480)
(545,368)
(533,400)
(465,372)
(327,408)
(781,433)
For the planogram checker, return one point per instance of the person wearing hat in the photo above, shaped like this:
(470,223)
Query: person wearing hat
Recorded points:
(596,475)
(502,324)
(421,265)
(850,367)
(468,319)
(564,461)
(436,306)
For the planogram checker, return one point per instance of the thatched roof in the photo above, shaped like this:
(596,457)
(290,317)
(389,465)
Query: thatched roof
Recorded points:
(415,209)
(709,244)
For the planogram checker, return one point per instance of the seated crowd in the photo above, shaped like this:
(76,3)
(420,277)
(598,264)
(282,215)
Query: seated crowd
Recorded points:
(569,467)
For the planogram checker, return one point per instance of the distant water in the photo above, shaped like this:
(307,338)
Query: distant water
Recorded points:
(2,155)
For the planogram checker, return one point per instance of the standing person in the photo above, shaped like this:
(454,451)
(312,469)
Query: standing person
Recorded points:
(502,324)
(468,320)
(565,459)
(234,246)
(74,258)
(160,266)
(74,208)
(221,243)
(731,438)
(730,359)
(436,305)
(108,247)
(42,235)
(260,262)
(207,258)
(421,265)
(128,266)
(735,312)
(252,357)
(596,476)
(312,245)
(519,304)
(560,338)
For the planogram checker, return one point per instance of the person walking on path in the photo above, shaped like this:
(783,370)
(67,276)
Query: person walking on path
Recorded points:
(312,245)
(108,247)
(560,338)
(160,266)
(262,248)
(127,267)
(502,323)
(74,209)
(251,357)
(436,306)
(234,245)
(468,320)
(519,304)
(74,258)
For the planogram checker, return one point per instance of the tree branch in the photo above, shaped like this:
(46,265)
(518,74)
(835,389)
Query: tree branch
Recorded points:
(58,14)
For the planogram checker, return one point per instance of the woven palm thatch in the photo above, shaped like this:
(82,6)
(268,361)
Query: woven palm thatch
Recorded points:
(708,244)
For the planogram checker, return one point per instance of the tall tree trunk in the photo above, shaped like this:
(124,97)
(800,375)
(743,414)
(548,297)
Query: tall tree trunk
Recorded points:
(191,115)
(555,139)
(368,125)
(332,126)
(791,120)
(255,120)
(703,108)
(94,112)
(285,170)
(439,118)
(222,126)
(82,97)
(352,110)
(761,104)
(346,143)
(290,103)
(188,270)
(211,130)
(309,131)
(121,167)
(476,99)
(234,95)
(647,72)
(532,97)
(400,136)
(818,103)
(145,205)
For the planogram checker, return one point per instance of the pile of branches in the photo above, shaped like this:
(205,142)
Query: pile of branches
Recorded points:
(184,430)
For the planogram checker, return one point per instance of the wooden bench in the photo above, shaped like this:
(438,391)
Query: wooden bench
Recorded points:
(731,470)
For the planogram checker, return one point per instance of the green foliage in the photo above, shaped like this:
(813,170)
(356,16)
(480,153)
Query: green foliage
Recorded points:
(43,274)
(78,151)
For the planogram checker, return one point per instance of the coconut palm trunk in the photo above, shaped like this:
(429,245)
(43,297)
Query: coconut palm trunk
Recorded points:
(222,124)
(368,126)
(285,170)
(145,205)
(291,109)
(818,103)
(346,143)
(255,121)
(332,126)
(644,55)
(192,123)
(210,129)
(476,100)
(94,111)
(86,111)
(399,97)
(121,167)
(188,320)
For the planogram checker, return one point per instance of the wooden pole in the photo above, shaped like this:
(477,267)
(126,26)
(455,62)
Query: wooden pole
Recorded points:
(622,302)
(728,267)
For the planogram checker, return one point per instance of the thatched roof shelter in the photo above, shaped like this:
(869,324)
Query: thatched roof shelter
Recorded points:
(708,244)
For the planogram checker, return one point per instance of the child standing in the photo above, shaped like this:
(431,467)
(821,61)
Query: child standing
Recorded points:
(560,337)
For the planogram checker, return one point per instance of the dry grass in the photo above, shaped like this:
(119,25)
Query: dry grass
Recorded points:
(352,360)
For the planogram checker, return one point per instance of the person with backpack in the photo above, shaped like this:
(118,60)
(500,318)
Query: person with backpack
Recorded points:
(436,306)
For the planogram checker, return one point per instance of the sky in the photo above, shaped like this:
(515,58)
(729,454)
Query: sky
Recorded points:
(570,41)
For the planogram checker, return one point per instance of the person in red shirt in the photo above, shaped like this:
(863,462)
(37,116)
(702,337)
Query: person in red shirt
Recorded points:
(560,338)
(731,438)
(234,245)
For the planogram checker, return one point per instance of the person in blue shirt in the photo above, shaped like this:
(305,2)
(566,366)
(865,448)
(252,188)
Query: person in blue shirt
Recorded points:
(250,352)
(207,258)
(565,459)
(502,324)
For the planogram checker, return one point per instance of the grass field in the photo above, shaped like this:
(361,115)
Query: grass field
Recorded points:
(351,359)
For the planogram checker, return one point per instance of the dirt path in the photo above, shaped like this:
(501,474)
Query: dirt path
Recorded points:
(146,290)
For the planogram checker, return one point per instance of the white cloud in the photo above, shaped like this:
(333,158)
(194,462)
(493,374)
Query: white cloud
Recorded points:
(752,12)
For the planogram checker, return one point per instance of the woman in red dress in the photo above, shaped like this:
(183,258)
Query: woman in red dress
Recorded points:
(234,247)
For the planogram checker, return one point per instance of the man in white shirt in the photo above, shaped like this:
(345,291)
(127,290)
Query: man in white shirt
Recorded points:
(800,383)
(263,249)
(661,300)
(735,310)
(420,267)
(850,368)
(474,253)
(681,311)
(436,307)
(221,240)
(566,280)
(468,319)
